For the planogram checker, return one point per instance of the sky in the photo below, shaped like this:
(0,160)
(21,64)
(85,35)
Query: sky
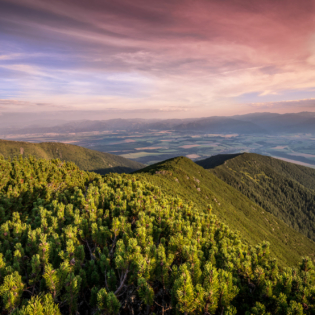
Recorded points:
(157,59)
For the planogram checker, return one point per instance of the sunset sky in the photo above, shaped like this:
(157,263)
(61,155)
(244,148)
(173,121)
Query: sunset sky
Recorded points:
(157,59)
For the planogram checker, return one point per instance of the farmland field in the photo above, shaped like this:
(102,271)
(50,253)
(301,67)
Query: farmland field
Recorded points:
(152,147)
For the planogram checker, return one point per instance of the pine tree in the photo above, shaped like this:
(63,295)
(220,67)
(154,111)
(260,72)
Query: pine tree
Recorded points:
(40,305)
(11,291)
(188,298)
(72,285)
(107,303)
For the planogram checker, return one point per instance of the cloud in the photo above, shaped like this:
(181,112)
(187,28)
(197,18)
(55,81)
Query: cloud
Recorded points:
(9,56)
(303,103)
(9,105)
(200,55)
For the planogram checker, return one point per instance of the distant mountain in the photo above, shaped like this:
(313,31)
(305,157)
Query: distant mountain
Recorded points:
(181,177)
(97,125)
(284,189)
(85,159)
(307,126)
(209,125)
(256,123)
(282,123)
(221,125)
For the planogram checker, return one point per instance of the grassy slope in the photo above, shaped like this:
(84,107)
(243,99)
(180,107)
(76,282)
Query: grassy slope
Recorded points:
(284,189)
(177,177)
(86,159)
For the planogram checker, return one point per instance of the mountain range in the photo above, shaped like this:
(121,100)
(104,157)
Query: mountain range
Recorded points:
(257,123)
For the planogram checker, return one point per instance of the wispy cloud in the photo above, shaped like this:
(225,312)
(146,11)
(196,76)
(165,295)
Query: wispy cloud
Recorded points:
(12,105)
(287,104)
(201,56)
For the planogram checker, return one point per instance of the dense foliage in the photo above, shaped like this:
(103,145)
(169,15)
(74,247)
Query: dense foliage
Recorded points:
(284,189)
(77,243)
(85,159)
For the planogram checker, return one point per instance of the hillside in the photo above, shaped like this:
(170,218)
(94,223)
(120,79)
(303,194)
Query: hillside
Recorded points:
(183,178)
(85,159)
(74,242)
(284,189)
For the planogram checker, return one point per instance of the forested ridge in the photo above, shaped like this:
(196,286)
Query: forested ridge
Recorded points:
(85,159)
(181,177)
(74,242)
(284,189)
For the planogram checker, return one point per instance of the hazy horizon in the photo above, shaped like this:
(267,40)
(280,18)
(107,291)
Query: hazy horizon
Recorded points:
(54,118)
(165,59)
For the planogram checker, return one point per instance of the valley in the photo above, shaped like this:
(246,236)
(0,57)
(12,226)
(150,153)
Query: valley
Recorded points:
(150,147)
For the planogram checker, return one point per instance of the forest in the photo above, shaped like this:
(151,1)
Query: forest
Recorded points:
(76,242)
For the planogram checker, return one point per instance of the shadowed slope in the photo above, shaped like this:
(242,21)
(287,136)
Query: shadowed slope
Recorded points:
(216,160)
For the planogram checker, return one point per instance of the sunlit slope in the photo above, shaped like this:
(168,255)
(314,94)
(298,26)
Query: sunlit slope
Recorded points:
(86,159)
(284,189)
(182,177)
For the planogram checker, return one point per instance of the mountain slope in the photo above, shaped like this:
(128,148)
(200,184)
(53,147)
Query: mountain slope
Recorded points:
(74,242)
(284,189)
(85,159)
(182,177)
